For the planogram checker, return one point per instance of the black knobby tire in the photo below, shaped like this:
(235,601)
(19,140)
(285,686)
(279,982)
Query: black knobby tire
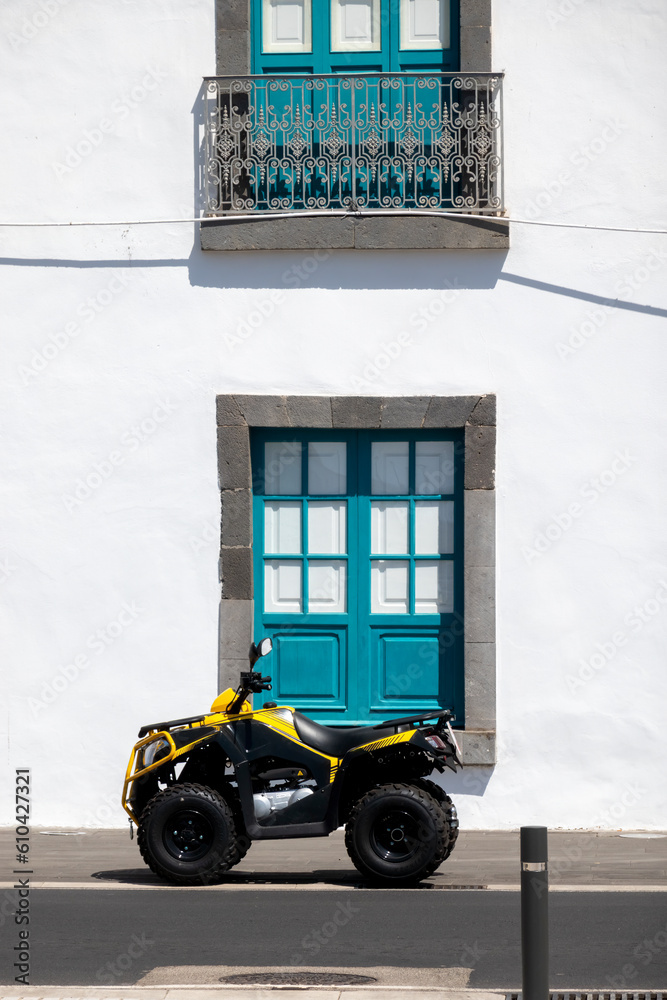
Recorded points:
(187,835)
(243,841)
(444,801)
(397,835)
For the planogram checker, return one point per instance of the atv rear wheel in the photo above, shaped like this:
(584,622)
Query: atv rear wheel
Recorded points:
(397,835)
(187,835)
(446,804)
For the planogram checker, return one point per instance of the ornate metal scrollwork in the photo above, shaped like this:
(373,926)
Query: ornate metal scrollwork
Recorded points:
(374,141)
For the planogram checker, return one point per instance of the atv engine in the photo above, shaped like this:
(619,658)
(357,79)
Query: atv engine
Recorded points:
(270,802)
(272,799)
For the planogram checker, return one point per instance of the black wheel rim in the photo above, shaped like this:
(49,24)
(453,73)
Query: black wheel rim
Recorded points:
(188,835)
(395,836)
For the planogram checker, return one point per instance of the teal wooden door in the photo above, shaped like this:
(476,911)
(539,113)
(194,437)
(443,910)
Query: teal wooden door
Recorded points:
(410,607)
(358,575)
(354,36)
(344,112)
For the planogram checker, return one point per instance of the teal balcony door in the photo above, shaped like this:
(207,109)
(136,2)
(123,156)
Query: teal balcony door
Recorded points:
(325,129)
(357,567)
(354,36)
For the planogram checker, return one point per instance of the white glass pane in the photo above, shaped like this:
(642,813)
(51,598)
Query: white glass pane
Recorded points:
(287,26)
(389,527)
(327,467)
(282,585)
(390,467)
(327,526)
(425,24)
(389,587)
(434,467)
(282,467)
(434,587)
(425,19)
(282,526)
(355,26)
(434,527)
(327,587)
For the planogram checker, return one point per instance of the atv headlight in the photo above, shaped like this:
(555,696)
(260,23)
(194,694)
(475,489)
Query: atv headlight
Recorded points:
(154,750)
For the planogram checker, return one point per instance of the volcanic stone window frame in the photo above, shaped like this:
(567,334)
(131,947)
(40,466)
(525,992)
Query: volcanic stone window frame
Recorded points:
(237,414)
(232,36)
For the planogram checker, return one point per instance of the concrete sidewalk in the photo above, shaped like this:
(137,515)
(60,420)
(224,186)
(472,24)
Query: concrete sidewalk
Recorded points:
(107,859)
(239,993)
(481,859)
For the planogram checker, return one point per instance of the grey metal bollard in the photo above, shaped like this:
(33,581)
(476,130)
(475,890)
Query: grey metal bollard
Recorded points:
(534,913)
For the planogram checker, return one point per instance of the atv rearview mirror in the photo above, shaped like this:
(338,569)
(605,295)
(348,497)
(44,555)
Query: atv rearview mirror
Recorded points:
(261,649)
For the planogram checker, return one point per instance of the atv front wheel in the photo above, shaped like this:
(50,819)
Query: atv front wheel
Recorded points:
(397,835)
(187,835)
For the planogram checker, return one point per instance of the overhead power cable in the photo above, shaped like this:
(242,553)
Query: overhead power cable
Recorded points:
(257,217)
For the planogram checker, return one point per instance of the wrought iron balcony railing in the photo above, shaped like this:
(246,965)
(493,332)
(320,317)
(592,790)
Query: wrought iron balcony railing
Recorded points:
(368,142)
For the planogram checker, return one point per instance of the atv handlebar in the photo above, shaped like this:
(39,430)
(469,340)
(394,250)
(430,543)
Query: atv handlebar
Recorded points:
(252,682)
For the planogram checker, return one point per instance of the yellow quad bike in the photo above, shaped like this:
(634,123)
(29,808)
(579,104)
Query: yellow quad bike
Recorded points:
(202,789)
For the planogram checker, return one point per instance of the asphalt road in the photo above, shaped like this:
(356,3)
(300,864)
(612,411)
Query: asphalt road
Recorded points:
(611,940)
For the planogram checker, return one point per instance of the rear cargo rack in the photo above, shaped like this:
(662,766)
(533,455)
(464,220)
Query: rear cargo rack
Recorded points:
(422,718)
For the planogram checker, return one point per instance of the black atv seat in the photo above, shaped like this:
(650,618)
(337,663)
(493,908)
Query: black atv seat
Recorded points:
(336,742)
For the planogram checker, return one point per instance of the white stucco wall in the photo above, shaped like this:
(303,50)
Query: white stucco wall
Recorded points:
(116,341)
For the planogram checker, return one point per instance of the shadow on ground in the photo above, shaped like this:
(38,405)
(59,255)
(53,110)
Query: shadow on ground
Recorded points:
(351,880)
